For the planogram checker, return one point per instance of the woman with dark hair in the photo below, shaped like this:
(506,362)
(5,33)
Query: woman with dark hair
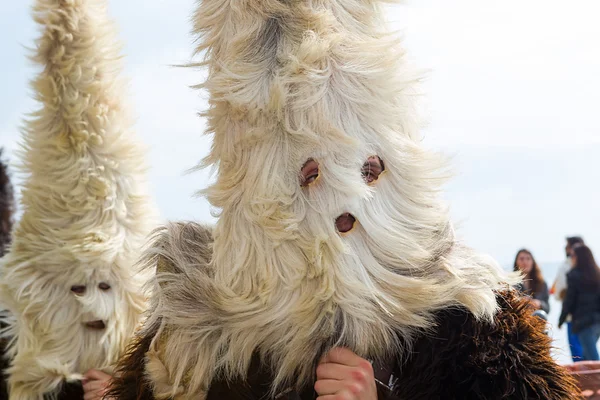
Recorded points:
(533,284)
(582,302)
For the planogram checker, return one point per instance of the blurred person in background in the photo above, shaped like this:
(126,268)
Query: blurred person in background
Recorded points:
(582,300)
(7,209)
(7,206)
(559,291)
(533,284)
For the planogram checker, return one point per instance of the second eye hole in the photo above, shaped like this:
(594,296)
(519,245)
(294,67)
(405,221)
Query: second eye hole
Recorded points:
(78,289)
(372,168)
(309,172)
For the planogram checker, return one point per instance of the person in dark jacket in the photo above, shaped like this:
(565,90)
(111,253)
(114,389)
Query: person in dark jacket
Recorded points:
(7,207)
(582,302)
(559,290)
(533,284)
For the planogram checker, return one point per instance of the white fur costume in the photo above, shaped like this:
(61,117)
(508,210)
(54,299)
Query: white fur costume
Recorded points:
(290,81)
(69,282)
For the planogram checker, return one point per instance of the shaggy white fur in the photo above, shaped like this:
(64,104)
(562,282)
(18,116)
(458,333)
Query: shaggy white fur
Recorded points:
(289,81)
(86,211)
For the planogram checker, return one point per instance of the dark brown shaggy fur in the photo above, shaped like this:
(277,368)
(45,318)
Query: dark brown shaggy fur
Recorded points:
(7,206)
(4,363)
(130,381)
(470,360)
(461,359)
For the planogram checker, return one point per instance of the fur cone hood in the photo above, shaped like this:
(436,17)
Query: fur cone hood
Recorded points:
(331,228)
(69,285)
(7,206)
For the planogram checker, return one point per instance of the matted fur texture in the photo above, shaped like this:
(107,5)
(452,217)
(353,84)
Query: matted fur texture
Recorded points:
(86,211)
(292,80)
(7,206)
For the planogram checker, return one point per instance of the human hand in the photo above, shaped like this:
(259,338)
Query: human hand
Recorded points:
(95,384)
(342,375)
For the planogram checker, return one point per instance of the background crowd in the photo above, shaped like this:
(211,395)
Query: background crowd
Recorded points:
(577,286)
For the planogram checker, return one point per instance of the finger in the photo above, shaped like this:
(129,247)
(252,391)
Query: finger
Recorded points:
(97,395)
(334,371)
(341,355)
(94,385)
(345,395)
(328,386)
(94,374)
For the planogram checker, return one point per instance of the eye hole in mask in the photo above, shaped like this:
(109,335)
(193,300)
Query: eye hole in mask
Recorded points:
(79,290)
(104,286)
(372,169)
(309,172)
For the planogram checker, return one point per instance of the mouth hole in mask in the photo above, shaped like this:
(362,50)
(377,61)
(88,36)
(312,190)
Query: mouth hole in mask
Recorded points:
(309,172)
(345,222)
(79,290)
(372,169)
(96,325)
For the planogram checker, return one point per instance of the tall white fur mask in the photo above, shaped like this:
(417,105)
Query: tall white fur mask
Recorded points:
(69,283)
(331,230)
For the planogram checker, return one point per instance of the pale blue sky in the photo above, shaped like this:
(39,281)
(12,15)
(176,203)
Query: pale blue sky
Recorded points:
(513,93)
